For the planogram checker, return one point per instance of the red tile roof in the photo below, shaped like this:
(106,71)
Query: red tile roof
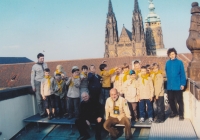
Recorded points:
(22,71)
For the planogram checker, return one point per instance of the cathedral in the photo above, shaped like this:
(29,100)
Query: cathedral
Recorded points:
(138,42)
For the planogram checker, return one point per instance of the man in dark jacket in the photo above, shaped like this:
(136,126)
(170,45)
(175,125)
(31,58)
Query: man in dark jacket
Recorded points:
(90,112)
(176,81)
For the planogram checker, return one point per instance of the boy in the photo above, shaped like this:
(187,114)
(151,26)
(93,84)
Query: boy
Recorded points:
(124,76)
(145,92)
(84,80)
(137,68)
(73,94)
(59,91)
(106,81)
(130,87)
(158,82)
(47,93)
(116,80)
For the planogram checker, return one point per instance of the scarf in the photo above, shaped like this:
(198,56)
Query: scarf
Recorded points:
(137,72)
(49,80)
(125,75)
(144,77)
(85,75)
(117,78)
(72,83)
(59,85)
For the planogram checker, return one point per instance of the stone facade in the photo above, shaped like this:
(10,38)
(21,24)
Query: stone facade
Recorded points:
(154,36)
(128,44)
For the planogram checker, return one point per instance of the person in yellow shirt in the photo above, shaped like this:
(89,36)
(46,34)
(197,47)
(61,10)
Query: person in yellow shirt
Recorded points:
(117,112)
(106,81)
(116,80)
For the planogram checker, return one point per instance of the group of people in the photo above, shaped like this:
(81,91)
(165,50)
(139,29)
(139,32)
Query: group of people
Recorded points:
(113,96)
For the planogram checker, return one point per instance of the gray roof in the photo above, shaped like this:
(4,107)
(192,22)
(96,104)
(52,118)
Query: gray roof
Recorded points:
(14,60)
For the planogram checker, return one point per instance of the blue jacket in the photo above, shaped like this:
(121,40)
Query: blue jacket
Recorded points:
(94,81)
(175,74)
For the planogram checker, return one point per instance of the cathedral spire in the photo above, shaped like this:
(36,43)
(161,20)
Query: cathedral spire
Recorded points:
(110,8)
(136,7)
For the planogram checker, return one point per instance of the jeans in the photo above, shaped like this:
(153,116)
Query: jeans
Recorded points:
(39,98)
(104,95)
(59,105)
(73,105)
(178,95)
(160,108)
(142,106)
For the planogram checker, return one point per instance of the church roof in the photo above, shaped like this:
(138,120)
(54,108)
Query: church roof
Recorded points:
(13,60)
(126,33)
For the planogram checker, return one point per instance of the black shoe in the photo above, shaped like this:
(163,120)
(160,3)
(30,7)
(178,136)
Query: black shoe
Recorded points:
(80,137)
(85,137)
(172,115)
(159,121)
(181,118)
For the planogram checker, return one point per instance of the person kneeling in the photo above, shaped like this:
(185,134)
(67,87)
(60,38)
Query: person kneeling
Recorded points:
(117,112)
(90,112)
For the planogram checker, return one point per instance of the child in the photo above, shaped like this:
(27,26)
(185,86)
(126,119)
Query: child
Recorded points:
(158,82)
(47,93)
(59,91)
(73,95)
(137,68)
(84,80)
(148,69)
(106,82)
(124,76)
(145,92)
(116,80)
(130,93)
(60,70)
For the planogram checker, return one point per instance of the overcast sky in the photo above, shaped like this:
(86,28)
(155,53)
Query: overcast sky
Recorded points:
(75,29)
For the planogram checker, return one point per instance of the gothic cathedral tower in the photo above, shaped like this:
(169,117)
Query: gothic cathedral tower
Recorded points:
(111,33)
(138,35)
(154,36)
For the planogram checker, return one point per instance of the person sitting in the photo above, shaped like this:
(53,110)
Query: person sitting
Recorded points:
(60,93)
(117,112)
(90,112)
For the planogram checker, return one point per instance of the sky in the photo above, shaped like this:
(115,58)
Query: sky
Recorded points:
(75,29)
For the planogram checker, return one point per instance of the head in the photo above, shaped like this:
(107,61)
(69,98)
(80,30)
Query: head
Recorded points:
(148,68)
(143,70)
(40,58)
(84,69)
(47,72)
(114,94)
(92,69)
(103,67)
(75,71)
(137,65)
(59,68)
(155,67)
(119,70)
(132,74)
(125,67)
(172,53)
(58,77)
(85,96)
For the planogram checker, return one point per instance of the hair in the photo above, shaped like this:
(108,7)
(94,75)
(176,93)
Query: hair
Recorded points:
(40,55)
(155,65)
(136,62)
(148,65)
(47,70)
(58,74)
(170,50)
(84,67)
(143,67)
(125,66)
(102,66)
(74,70)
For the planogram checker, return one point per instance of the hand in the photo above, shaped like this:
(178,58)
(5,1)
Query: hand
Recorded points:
(104,61)
(182,87)
(156,97)
(88,123)
(33,89)
(99,119)
(150,99)
(43,97)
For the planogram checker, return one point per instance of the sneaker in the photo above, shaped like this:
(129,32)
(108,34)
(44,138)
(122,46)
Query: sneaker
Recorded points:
(181,118)
(150,120)
(141,120)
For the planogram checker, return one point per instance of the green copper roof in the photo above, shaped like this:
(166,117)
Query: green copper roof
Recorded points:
(152,16)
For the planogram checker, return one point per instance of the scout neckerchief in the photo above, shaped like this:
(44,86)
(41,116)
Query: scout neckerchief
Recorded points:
(49,81)
(85,75)
(71,82)
(144,77)
(41,65)
(137,72)
(117,77)
(125,76)
(115,108)
(59,86)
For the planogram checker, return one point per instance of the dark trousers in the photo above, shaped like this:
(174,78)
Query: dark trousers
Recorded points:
(39,99)
(160,108)
(178,96)
(49,102)
(59,106)
(110,122)
(133,109)
(73,106)
(142,106)
(105,93)
(95,93)
(82,127)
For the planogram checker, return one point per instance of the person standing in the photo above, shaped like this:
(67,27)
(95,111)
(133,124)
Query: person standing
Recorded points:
(176,81)
(37,74)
